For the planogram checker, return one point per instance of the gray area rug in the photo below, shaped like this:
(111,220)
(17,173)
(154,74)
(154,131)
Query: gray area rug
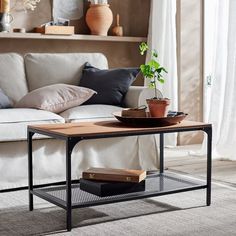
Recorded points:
(178,214)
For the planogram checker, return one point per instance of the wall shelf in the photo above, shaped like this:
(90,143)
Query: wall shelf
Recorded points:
(72,37)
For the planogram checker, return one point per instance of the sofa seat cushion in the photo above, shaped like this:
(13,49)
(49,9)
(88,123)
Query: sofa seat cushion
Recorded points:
(14,122)
(89,112)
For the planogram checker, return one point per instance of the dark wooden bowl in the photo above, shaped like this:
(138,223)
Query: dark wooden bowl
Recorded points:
(150,121)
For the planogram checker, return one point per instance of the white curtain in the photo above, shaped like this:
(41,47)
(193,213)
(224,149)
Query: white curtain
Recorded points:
(162,36)
(222,109)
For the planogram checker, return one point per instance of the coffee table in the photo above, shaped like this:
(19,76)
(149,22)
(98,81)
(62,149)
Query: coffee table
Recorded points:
(69,196)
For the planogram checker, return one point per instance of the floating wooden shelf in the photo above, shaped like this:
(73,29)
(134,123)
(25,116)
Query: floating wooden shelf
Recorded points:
(72,37)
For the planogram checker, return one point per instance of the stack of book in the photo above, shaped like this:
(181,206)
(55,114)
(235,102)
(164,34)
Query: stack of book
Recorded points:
(107,182)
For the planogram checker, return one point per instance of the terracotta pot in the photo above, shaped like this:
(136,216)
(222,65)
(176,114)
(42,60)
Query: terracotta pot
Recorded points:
(99,18)
(158,107)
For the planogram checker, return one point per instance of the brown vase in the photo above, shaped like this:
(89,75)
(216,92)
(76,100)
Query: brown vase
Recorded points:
(99,18)
(158,107)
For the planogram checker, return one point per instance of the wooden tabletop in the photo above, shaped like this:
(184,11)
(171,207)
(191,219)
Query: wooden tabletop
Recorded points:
(88,129)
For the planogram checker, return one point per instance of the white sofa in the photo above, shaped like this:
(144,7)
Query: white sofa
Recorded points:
(18,76)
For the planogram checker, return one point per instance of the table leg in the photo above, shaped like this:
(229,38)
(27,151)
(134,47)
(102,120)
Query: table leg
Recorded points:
(209,165)
(68,185)
(30,170)
(161,153)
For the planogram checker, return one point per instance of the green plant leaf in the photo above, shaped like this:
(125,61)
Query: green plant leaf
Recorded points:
(151,85)
(155,53)
(165,70)
(152,69)
(161,80)
(143,47)
(161,69)
(142,67)
(154,64)
(147,71)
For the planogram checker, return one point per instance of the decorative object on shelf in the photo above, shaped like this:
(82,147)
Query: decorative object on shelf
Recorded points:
(24,5)
(17,5)
(60,27)
(5,22)
(69,9)
(99,18)
(55,30)
(98,1)
(153,71)
(30,4)
(19,30)
(117,30)
(5,16)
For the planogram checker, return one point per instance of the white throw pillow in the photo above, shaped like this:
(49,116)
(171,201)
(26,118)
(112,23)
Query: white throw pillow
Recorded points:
(56,98)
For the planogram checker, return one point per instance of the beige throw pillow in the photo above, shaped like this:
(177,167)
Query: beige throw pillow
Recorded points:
(56,98)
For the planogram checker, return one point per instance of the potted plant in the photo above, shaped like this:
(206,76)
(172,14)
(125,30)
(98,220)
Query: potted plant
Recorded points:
(153,71)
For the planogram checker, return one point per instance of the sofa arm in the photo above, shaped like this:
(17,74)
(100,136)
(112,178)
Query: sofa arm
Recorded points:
(137,95)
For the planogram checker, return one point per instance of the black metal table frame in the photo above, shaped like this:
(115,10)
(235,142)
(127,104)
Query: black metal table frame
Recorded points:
(72,141)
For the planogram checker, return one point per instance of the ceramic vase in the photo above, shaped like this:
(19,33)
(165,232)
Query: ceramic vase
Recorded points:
(99,18)
(5,22)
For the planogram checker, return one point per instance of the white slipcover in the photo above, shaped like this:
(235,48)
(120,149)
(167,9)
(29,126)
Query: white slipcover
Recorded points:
(49,158)
(14,122)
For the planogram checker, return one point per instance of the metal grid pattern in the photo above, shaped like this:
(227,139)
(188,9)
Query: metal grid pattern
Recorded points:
(154,183)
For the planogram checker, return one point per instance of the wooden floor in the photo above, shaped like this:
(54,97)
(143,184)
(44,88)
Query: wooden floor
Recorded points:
(180,160)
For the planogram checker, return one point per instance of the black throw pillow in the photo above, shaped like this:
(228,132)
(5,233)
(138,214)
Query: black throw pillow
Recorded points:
(110,85)
(4,101)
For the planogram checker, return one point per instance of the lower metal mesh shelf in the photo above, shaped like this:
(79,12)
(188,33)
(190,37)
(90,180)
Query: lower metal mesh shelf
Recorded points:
(154,184)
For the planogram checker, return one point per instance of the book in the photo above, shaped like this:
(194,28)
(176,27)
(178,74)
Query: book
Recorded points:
(104,189)
(120,175)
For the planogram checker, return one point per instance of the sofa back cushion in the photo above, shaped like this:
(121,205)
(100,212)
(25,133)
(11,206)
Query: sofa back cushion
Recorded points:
(44,69)
(12,76)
